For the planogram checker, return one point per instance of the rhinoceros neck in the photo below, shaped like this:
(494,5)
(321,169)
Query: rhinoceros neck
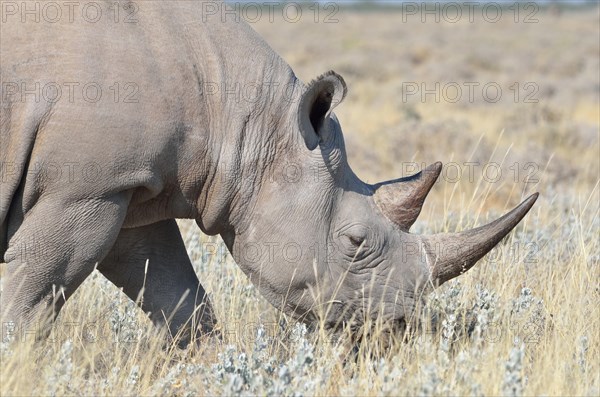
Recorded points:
(246,89)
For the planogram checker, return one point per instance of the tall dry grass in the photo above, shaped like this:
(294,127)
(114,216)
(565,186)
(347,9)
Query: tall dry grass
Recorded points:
(523,322)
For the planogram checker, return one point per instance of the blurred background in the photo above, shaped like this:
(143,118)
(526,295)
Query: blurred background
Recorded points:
(505,94)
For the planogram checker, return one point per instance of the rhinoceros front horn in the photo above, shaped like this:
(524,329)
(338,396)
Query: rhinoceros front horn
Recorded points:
(401,199)
(447,254)
(451,254)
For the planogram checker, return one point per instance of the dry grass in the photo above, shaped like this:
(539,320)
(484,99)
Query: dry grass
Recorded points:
(525,321)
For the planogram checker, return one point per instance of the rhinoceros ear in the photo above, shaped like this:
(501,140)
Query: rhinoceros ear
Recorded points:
(321,96)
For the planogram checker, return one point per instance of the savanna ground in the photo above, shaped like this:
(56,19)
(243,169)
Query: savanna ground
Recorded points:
(525,321)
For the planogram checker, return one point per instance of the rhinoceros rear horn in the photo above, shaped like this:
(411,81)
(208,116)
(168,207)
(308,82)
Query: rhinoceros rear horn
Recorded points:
(451,254)
(401,199)
(321,96)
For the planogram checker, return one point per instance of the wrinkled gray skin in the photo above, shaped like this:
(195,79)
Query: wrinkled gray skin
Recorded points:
(267,172)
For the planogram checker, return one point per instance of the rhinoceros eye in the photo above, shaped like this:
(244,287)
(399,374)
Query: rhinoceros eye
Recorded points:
(356,241)
(355,236)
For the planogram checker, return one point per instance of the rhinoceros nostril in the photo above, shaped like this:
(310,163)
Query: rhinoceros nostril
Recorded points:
(399,326)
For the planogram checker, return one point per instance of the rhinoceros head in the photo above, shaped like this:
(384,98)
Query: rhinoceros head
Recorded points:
(322,244)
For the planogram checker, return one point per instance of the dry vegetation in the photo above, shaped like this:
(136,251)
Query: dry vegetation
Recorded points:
(525,321)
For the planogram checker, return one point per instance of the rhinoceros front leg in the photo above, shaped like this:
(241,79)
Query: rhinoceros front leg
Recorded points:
(55,246)
(169,289)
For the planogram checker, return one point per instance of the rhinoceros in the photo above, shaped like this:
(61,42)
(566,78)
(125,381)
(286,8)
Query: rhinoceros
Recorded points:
(113,130)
